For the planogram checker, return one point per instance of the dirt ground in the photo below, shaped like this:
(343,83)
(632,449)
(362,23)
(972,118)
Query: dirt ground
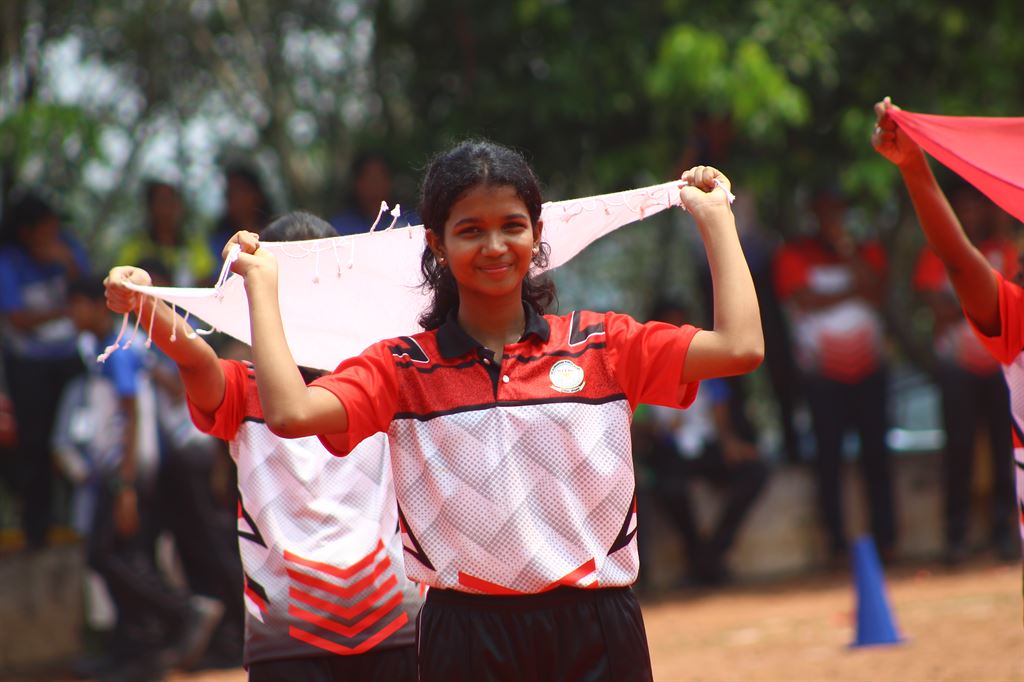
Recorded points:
(957,625)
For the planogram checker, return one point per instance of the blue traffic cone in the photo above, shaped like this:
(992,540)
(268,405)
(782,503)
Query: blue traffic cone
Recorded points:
(875,624)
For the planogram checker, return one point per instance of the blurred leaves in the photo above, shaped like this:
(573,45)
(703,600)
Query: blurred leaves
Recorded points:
(49,142)
(697,72)
(599,95)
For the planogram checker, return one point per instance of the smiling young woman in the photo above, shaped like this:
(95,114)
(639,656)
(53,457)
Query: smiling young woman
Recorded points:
(509,427)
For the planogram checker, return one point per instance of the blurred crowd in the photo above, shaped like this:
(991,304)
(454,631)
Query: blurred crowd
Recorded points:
(109,449)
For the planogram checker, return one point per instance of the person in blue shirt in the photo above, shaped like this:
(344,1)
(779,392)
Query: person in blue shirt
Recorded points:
(106,440)
(37,260)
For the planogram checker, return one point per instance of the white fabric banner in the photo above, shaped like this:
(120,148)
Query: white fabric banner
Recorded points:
(340,295)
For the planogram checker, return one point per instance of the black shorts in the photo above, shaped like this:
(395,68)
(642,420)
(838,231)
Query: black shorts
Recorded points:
(396,663)
(565,634)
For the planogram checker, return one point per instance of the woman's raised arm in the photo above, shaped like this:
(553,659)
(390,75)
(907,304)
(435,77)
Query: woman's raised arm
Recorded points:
(969,272)
(735,344)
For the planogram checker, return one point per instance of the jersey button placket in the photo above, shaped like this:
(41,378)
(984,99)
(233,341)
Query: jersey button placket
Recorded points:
(503,378)
(492,368)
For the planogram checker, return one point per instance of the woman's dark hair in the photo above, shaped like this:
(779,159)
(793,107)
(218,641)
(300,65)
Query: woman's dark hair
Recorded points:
(297,226)
(450,174)
(27,209)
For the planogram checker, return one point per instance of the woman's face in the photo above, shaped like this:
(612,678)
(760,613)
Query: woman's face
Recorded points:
(488,242)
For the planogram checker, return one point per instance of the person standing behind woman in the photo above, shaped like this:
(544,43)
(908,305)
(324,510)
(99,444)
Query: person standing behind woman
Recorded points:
(326,596)
(189,260)
(37,261)
(992,304)
(833,288)
(509,429)
(972,385)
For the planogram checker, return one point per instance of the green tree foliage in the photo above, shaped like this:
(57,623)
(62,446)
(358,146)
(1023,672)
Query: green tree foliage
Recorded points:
(600,95)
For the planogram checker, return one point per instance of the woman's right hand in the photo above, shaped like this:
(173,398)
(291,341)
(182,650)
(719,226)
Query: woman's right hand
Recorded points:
(889,140)
(120,298)
(705,189)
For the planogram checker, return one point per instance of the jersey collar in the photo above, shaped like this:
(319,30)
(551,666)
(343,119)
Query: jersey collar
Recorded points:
(453,341)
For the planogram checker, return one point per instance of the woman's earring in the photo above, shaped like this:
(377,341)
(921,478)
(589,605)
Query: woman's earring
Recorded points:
(441,261)
(536,248)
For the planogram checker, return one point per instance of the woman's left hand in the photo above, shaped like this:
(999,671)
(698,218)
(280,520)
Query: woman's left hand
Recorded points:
(701,193)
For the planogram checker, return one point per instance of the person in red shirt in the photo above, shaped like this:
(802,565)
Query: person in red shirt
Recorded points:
(972,385)
(832,287)
(992,304)
(509,428)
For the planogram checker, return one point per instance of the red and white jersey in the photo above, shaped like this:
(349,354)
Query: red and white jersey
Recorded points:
(318,537)
(515,474)
(843,342)
(1008,349)
(957,342)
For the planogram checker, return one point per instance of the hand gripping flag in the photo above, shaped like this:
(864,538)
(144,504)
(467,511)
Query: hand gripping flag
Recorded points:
(987,152)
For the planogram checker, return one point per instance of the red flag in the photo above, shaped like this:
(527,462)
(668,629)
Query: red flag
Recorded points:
(987,152)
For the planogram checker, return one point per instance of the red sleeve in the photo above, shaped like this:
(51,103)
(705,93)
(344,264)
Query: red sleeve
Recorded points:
(223,423)
(790,271)
(1007,345)
(367,385)
(648,360)
(929,273)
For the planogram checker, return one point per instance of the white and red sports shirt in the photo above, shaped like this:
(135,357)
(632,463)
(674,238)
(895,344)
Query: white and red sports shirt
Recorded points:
(1008,349)
(842,342)
(957,342)
(515,475)
(318,537)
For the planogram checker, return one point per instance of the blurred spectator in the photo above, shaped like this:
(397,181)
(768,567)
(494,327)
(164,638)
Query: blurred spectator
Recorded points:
(107,441)
(247,206)
(371,182)
(710,143)
(37,260)
(833,288)
(187,257)
(971,382)
(711,440)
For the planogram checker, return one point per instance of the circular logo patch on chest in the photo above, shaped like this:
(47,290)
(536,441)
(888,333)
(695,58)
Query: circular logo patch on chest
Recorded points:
(566,377)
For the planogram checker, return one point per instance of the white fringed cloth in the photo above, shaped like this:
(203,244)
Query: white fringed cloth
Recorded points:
(341,294)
